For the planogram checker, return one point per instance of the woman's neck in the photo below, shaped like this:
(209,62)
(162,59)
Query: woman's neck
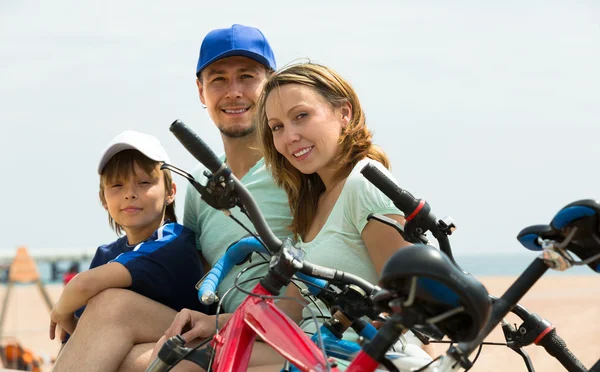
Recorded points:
(332,177)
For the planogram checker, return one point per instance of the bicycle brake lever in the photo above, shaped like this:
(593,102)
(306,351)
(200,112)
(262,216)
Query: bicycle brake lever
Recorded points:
(210,194)
(390,222)
(180,172)
(424,339)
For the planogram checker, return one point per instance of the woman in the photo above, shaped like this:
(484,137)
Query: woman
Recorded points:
(315,141)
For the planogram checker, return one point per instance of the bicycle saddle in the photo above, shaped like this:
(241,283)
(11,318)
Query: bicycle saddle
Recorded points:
(528,237)
(440,287)
(582,214)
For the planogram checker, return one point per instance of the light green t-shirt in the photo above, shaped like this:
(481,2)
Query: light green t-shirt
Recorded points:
(339,244)
(215,232)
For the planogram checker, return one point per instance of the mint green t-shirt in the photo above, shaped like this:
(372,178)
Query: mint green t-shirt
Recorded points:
(339,244)
(215,232)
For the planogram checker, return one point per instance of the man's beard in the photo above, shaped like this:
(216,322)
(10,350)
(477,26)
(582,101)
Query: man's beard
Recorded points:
(236,132)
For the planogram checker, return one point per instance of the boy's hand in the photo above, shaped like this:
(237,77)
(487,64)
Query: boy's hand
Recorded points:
(67,322)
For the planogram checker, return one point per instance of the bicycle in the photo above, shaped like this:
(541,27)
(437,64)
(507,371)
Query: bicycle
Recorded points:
(284,335)
(575,228)
(348,304)
(461,308)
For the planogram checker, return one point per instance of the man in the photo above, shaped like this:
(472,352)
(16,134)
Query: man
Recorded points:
(119,327)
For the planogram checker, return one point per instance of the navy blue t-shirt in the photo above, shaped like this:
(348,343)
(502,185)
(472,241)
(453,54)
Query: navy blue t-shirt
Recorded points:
(165,267)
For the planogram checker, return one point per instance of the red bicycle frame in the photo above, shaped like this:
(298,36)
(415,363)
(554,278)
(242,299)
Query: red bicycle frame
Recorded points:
(261,317)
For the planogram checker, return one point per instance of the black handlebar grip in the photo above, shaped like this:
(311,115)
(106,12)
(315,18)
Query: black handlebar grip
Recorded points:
(401,198)
(196,146)
(556,347)
(171,352)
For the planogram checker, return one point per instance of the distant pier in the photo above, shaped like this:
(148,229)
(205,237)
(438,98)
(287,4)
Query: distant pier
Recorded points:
(48,256)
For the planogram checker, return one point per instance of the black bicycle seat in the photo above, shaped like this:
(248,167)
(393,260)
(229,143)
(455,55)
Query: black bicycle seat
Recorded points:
(582,214)
(528,237)
(586,209)
(440,287)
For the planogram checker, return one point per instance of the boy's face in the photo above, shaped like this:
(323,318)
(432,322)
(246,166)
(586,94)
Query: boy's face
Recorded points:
(230,88)
(137,203)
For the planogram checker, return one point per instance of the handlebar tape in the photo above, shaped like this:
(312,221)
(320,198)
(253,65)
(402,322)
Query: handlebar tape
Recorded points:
(235,254)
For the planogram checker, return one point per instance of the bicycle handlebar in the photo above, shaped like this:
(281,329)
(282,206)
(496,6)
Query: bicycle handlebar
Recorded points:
(402,199)
(417,212)
(222,174)
(169,353)
(412,207)
(235,255)
(206,156)
(196,146)
(415,209)
(556,347)
(327,273)
(311,273)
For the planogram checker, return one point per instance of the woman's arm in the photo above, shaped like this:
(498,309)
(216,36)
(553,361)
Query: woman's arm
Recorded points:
(291,308)
(382,241)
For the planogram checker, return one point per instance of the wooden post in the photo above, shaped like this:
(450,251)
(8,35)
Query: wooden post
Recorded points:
(23,270)
(9,286)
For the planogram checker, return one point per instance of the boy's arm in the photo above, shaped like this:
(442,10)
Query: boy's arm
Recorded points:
(81,288)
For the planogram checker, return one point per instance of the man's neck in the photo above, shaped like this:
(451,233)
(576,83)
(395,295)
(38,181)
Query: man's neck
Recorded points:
(241,154)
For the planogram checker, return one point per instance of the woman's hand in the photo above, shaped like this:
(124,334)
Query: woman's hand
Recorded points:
(378,323)
(192,325)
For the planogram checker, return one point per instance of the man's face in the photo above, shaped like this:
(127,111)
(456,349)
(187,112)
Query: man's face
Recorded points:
(230,88)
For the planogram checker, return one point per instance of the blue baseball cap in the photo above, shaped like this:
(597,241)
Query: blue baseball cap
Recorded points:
(238,40)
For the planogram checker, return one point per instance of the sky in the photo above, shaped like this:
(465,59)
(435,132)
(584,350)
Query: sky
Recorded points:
(489,111)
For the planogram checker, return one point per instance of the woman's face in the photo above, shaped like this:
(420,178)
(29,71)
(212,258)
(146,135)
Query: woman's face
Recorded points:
(305,127)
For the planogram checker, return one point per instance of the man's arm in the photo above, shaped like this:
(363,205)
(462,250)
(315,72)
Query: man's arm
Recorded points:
(81,288)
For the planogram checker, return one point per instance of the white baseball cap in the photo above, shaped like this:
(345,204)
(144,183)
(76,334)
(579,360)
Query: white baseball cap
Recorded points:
(132,140)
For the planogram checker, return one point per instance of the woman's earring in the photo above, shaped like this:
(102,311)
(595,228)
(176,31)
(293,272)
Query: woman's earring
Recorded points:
(204,106)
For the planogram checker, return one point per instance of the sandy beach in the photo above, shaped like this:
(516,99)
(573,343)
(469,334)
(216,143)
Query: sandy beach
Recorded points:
(571,303)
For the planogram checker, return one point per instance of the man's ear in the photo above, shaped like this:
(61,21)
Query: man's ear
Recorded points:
(171,194)
(200,91)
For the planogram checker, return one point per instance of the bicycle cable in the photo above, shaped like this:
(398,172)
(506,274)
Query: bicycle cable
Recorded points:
(312,298)
(249,231)
(483,343)
(476,356)
(236,286)
(427,365)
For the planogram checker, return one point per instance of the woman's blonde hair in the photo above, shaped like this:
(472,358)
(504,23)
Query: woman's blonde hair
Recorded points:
(122,166)
(355,139)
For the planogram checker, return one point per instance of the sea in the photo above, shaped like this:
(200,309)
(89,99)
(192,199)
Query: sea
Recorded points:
(478,265)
